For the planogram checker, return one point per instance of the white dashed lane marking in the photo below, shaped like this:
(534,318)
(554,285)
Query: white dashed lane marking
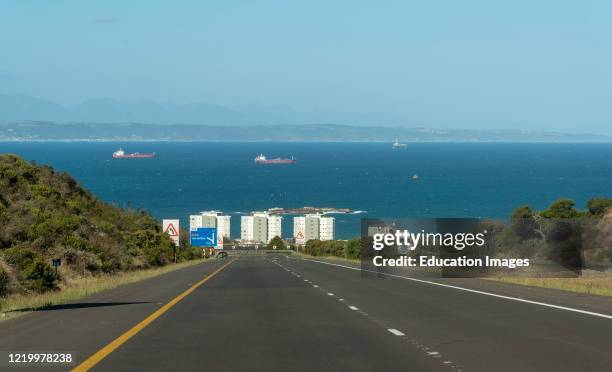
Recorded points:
(395,332)
(518,299)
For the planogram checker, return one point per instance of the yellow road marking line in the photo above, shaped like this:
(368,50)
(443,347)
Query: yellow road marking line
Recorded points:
(106,350)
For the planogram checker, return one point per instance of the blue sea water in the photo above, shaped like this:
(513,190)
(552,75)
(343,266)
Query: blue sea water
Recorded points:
(454,180)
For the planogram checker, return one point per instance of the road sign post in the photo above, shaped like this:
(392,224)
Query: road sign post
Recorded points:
(299,238)
(172,228)
(57,262)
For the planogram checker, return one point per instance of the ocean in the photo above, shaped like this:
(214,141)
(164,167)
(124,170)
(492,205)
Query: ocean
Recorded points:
(454,179)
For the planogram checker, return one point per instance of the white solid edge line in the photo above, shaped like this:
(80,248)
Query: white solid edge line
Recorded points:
(476,291)
(395,332)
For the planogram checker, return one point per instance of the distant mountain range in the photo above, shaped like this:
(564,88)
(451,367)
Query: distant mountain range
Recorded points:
(17,108)
(26,118)
(48,131)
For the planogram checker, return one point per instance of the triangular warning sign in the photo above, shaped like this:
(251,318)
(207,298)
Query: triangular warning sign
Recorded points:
(171,230)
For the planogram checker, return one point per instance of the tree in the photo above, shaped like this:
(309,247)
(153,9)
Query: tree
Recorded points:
(599,206)
(562,208)
(276,243)
(524,223)
(563,234)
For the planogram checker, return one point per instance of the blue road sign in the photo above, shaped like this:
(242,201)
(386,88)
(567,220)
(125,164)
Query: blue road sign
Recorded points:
(203,237)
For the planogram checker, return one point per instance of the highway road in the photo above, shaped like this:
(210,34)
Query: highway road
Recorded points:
(263,313)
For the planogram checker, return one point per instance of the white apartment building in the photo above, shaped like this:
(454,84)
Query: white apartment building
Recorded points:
(246,228)
(195,221)
(212,219)
(313,226)
(275,224)
(223,227)
(260,227)
(326,228)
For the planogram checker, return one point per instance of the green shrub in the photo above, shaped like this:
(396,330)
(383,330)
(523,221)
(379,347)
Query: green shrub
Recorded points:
(524,223)
(20,257)
(4,282)
(47,214)
(562,208)
(336,248)
(110,265)
(39,276)
(599,206)
(186,254)
(353,248)
(78,243)
(158,256)
(82,261)
(33,272)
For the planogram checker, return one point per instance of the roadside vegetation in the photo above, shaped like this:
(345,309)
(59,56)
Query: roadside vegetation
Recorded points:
(548,233)
(557,230)
(76,288)
(580,239)
(349,249)
(276,243)
(589,283)
(529,232)
(46,215)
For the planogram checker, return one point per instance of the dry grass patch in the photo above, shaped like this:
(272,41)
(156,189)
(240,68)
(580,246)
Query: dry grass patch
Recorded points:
(328,258)
(73,289)
(600,284)
(593,283)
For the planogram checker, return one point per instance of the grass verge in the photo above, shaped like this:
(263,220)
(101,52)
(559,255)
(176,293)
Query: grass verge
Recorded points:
(594,285)
(600,284)
(328,258)
(74,289)
(589,283)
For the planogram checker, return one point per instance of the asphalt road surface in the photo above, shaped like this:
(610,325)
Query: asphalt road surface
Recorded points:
(289,314)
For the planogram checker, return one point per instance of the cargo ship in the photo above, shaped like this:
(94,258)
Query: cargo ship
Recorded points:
(120,154)
(261,159)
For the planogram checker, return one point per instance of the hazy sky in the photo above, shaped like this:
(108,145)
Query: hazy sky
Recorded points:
(544,65)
